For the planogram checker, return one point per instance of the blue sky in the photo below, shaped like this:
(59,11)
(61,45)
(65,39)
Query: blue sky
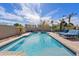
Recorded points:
(63,9)
(22,13)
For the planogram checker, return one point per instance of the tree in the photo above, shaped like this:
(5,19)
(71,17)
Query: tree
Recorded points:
(63,24)
(70,16)
(20,28)
(69,25)
(17,24)
(46,26)
(52,22)
(51,25)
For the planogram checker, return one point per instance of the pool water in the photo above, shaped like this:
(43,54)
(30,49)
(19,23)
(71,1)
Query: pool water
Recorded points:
(38,44)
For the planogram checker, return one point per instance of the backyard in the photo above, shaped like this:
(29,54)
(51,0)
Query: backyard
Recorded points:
(39,29)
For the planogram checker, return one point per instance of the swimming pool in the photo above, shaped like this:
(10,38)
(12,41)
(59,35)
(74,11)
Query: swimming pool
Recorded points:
(38,44)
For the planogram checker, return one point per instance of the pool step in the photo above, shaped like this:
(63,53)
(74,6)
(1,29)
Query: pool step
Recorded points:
(11,53)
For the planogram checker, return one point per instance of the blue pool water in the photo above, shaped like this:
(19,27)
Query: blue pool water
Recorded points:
(38,43)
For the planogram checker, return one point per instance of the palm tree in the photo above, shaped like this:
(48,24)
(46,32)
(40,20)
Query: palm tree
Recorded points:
(70,16)
(69,24)
(52,22)
(63,24)
(52,25)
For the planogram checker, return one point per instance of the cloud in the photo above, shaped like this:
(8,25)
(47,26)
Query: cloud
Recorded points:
(11,17)
(6,22)
(28,11)
(52,12)
(32,13)
(2,9)
(75,20)
(6,16)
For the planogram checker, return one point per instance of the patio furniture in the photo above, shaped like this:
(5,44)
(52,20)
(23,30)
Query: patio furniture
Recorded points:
(70,34)
(62,32)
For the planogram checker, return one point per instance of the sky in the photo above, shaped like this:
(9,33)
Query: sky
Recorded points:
(26,13)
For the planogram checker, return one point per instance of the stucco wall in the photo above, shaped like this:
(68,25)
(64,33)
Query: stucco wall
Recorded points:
(6,31)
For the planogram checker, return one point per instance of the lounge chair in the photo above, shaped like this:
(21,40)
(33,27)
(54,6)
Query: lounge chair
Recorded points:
(62,32)
(71,34)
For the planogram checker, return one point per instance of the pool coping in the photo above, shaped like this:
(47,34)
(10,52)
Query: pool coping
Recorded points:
(13,39)
(11,53)
(74,47)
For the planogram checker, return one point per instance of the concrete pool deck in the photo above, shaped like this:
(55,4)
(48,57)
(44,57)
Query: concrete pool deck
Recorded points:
(8,40)
(11,53)
(73,46)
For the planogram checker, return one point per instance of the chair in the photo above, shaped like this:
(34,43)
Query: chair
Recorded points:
(62,32)
(71,34)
